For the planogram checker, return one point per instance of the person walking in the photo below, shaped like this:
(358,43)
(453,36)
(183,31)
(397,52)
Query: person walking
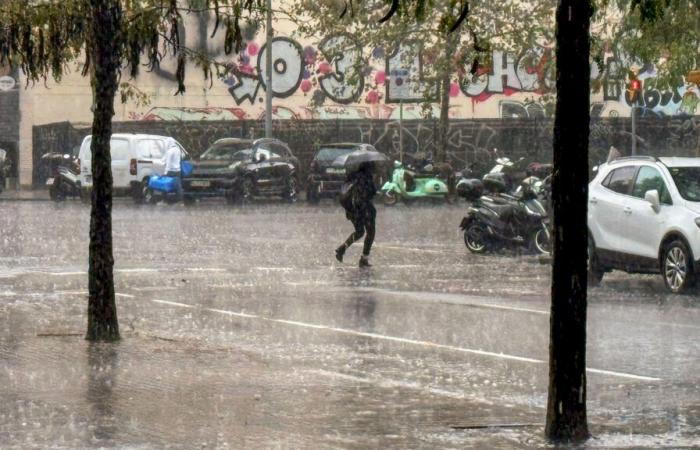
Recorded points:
(172,162)
(360,211)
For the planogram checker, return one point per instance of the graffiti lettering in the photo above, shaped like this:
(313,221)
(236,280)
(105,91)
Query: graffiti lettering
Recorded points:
(287,65)
(346,83)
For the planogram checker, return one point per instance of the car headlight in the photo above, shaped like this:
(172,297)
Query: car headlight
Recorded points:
(234,165)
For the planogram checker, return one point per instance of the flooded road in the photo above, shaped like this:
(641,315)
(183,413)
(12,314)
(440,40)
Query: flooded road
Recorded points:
(241,330)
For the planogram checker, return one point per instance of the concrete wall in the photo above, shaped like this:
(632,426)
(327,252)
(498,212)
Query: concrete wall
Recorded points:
(470,141)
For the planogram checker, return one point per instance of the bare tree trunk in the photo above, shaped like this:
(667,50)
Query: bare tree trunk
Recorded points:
(102,309)
(566,405)
(445,77)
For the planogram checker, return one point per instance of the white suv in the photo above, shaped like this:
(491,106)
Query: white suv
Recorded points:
(644,217)
(135,157)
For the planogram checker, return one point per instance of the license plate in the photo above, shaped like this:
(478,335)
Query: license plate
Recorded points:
(197,183)
(335,171)
(49,182)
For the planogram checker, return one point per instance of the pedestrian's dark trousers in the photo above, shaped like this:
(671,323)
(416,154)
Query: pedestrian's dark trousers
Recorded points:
(363,221)
(178,182)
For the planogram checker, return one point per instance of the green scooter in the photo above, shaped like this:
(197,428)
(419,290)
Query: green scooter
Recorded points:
(407,185)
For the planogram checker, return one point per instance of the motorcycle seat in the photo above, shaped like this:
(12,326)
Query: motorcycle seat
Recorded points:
(499,208)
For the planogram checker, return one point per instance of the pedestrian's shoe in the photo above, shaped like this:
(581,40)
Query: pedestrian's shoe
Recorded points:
(339,253)
(364,261)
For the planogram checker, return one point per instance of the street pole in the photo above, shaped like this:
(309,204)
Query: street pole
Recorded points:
(401,129)
(268,73)
(634,132)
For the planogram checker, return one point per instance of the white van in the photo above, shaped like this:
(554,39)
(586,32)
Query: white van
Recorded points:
(135,157)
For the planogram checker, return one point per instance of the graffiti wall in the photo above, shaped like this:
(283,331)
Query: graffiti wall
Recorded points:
(332,77)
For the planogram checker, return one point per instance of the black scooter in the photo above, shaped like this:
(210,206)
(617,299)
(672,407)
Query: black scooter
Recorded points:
(500,220)
(64,178)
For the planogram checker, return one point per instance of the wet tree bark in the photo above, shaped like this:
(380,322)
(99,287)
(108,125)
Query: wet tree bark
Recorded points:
(566,406)
(102,309)
(445,77)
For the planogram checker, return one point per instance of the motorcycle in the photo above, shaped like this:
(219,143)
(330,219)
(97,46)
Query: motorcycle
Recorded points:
(497,221)
(64,178)
(164,188)
(408,185)
(3,168)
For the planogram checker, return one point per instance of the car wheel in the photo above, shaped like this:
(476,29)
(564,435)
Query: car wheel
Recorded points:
(312,194)
(291,189)
(56,192)
(476,238)
(188,200)
(247,189)
(390,198)
(677,267)
(595,272)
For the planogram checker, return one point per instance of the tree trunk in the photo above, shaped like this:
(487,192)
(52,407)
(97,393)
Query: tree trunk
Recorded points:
(566,405)
(445,78)
(102,309)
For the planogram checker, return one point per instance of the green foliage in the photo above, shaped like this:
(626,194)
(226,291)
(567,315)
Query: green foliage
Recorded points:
(665,33)
(42,37)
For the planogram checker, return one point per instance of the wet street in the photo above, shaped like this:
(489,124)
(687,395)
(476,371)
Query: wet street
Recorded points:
(241,330)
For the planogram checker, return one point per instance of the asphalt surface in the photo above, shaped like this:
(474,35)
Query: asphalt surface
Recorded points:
(240,330)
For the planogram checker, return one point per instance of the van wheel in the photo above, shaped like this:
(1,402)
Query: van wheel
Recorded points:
(138,192)
(677,267)
(147,196)
(595,272)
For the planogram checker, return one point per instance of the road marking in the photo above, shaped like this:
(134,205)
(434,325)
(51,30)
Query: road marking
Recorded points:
(454,299)
(401,340)
(119,294)
(66,274)
(416,249)
(392,384)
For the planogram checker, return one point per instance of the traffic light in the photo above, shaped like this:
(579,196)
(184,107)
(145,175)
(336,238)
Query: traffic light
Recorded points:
(633,89)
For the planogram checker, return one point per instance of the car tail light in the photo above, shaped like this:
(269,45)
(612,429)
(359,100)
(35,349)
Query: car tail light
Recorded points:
(133,167)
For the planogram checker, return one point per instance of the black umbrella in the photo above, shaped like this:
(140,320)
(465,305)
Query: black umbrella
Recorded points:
(354,160)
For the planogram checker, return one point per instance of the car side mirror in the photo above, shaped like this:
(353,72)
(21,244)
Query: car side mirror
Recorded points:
(653,198)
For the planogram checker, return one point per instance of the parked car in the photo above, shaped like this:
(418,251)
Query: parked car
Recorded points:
(135,157)
(327,169)
(644,217)
(241,169)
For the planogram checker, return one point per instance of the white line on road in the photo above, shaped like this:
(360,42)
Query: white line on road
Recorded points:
(392,384)
(119,294)
(402,340)
(455,299)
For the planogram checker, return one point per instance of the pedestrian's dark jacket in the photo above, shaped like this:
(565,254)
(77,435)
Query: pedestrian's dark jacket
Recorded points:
(363,190)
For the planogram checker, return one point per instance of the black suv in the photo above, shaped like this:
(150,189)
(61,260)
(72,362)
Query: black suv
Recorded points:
(241,169)
(327,171)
